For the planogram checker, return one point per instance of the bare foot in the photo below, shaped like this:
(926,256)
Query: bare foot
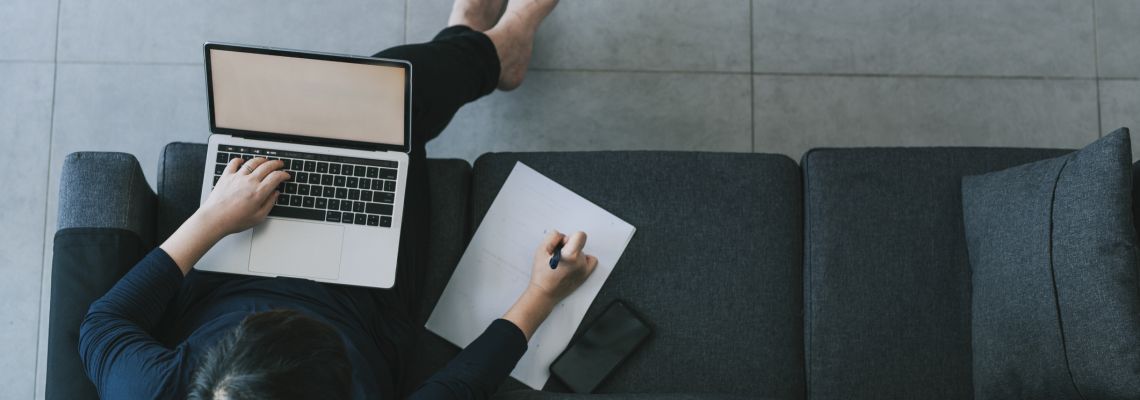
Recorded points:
(514,38)
(479,15)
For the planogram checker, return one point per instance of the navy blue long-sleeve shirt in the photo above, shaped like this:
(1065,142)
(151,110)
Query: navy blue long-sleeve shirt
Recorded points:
(144,338)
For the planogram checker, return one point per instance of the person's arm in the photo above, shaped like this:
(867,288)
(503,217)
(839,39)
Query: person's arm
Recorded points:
(119,353)
(479,369)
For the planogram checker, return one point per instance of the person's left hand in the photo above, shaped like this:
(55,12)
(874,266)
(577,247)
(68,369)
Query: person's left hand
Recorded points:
(244,194)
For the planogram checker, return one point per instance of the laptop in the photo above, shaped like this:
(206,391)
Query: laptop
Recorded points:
(342,125)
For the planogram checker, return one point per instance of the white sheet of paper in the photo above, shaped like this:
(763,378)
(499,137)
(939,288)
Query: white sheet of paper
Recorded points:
(495,269)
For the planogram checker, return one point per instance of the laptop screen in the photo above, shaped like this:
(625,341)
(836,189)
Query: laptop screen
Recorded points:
(350,101)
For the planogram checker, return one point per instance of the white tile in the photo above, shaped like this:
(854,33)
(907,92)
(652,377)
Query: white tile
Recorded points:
(948,37)
(1120,107)
(571,111)
(1118,38)
(25,106)
(795,114)
(27,29)
(136,109)
(642,35)
(173,31)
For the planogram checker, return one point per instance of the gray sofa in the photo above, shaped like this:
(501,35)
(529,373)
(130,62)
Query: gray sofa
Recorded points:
(843,277)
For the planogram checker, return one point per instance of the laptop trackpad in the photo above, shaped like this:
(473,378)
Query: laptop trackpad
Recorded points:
(298,249)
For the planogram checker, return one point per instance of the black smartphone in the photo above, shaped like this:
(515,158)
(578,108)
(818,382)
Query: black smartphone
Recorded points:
(609,339)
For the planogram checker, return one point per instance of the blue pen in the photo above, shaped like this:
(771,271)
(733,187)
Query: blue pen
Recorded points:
(556,257)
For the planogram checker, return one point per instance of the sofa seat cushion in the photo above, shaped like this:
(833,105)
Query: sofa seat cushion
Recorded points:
(887,279)
(1056,297)
(715,265)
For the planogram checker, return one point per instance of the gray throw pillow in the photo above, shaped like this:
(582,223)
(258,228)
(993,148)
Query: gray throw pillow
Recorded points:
(1056,293)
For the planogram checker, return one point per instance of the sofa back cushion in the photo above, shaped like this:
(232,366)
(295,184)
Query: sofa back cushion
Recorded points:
(1056,297)
(886,273)
(715,265)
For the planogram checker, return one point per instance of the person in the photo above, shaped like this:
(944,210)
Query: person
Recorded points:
(166,330)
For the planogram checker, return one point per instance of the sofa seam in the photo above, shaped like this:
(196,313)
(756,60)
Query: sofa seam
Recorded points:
(810,311)
(1053,276)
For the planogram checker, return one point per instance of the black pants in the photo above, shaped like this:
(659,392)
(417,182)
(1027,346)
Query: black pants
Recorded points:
(457,67)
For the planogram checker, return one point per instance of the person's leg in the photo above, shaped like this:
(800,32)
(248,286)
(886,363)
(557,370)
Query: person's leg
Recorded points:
(458,66)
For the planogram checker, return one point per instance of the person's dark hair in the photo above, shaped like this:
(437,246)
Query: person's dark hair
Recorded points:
(280,354)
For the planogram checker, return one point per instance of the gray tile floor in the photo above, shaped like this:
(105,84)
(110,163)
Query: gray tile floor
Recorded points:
(777,76)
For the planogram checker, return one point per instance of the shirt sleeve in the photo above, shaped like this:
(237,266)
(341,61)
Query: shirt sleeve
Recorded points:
(119,353)
(478,370)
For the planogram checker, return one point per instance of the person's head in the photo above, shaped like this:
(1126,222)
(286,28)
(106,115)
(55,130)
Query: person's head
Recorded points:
(280,354)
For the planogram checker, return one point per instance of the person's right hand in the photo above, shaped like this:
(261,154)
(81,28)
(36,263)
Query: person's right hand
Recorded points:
(244,194)
(573,269)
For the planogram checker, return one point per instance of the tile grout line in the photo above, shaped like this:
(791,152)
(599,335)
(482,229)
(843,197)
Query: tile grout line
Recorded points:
(1096,67)
(47,200)
(679,71)
(752,74)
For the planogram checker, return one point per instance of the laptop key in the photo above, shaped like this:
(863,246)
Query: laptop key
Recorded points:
(310,166)
(223,158)
(359,171)
(216,180)
(328,191)
(388,173)
(283,200)
(384,197)
(352,182)
(323,167)
(332,216)
(334,204)
(300,213)
(383,209)
(360,219)
(346,218)
(377,184)
(345,205)
(290,188)
(314,190)
(353,194)
(339,181)
(365,183)
(295,201)
(309,202)
(358,207)
(346,169)
(302,189)
(341,193)
(297,165)
(301,178)
(390,186)
(322,203)
(327,180)
(386,221)
(365,195)
(334,169)
(373,220)
(373,172)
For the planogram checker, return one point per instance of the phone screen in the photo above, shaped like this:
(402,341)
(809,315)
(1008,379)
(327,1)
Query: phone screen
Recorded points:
(591,357)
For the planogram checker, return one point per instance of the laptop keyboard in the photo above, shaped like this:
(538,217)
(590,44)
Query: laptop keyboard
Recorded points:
(346,190)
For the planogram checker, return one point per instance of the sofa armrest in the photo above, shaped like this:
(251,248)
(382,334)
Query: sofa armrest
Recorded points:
(106,190)
(106,224)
